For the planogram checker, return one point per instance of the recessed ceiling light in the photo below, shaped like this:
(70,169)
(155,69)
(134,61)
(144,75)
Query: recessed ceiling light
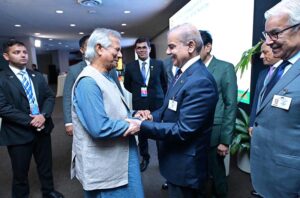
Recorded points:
(81,33)
(59,43)
(127,12)
(37,33)
(124,24)
(90,3)
(50,39)
(17,25)
(72,25)
(122,32)
(59,11)
(66,45)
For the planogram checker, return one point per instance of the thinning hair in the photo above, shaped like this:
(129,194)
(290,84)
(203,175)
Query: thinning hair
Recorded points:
(289,7)
(11,43)
(189,32)
(100,36)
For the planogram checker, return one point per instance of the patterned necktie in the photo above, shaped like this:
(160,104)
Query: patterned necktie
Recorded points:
(27,87)
(177,75)
(276,76)
(143,71)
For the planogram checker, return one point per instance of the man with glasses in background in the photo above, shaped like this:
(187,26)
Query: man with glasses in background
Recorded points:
(275,144)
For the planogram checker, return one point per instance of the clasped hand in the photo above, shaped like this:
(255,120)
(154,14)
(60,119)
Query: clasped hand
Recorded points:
(135,123)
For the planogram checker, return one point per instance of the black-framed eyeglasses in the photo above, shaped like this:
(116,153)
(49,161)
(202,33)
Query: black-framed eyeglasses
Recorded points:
(273,35)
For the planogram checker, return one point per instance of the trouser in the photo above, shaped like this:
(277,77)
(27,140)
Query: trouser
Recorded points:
(20,156)
(143,147)
(217,172)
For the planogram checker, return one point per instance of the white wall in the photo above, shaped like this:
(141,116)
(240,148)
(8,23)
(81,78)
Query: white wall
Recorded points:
(160,42)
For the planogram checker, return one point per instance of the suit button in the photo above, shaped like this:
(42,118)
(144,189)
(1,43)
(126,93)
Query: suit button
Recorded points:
(255,124)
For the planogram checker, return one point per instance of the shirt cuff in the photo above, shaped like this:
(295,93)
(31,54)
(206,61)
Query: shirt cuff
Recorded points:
(68,124)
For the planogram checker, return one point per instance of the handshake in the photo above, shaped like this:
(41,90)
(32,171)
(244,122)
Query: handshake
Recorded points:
(135,122)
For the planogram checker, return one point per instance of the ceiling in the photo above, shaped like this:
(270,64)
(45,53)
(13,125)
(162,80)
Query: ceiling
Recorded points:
(146,18)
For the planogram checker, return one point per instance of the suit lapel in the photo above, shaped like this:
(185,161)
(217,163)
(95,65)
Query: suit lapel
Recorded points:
(151,71)
(279,88)
(14,80)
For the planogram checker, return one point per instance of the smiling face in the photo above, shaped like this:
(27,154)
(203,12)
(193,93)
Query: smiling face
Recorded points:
(111,54)
(142,50)
(178,51)
(17,56)
(267,55)
(288,42)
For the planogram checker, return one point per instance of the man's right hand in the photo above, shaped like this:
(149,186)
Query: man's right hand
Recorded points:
(250,129)
(69,130)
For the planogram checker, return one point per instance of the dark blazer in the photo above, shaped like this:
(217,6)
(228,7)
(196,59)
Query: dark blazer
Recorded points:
(157,85)
(15,110)
(259,85)
(168,64)
(72,75)
(225,114)
(184,134)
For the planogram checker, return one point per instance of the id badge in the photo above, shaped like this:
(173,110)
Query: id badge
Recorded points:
(144,92)
(172,105)
(34,109)
(281,102)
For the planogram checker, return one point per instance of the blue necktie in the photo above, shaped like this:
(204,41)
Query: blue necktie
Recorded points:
(27,87)
(177,75)
(143,71)
(276,76)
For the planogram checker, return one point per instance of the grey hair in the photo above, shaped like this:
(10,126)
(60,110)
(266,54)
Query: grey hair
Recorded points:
(289,7)
(189,33)
(99,36)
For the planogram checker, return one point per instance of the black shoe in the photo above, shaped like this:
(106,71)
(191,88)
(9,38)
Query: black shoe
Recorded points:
(254,193)
(53,194)
(164,186)
(144,164)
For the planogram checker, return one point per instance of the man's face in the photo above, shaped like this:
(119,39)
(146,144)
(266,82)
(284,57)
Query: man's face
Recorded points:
(267,55)
(111,54)
(142,50)
(16,56)
(288,42)
(177,50)
(205,51)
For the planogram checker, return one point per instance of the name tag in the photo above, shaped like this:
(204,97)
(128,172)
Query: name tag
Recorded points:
(172,105)
(281,102)
(144,92)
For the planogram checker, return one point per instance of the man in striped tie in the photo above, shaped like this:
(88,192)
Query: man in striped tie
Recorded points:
(26,104)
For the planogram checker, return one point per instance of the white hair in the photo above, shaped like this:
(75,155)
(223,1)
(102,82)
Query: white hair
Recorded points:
(99,36)
(289,7)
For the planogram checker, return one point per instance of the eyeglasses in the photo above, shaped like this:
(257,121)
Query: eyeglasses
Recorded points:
(273,35)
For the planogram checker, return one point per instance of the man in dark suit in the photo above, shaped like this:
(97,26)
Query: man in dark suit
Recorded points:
(263,78)
(145,79)
(225,114)
(26,104)
(275,145)
(73,73)
(184,123)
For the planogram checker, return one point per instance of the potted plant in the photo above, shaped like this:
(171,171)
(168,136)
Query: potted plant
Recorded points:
(241,141)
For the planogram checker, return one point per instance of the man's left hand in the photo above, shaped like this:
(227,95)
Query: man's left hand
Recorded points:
(38,120)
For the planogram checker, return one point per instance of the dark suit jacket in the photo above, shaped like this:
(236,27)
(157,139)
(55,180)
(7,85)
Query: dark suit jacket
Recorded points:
(259,85)
(168,64)
(184,134)
(225,114)
(72,75)
(157,85)
(15,110)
